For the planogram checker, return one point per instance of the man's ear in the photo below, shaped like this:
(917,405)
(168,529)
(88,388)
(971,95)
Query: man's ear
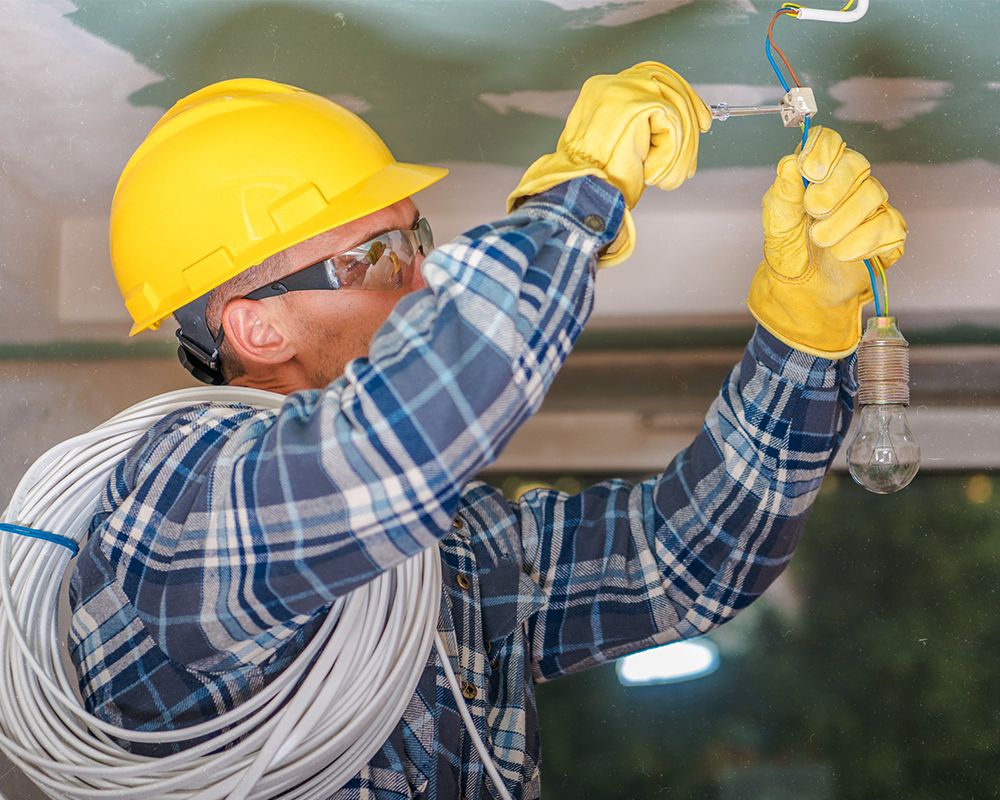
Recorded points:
(256,333)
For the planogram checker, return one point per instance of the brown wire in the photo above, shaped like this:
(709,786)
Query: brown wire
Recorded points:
(770,29)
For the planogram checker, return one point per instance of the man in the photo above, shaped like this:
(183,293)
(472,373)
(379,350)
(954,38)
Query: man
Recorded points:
(282,235)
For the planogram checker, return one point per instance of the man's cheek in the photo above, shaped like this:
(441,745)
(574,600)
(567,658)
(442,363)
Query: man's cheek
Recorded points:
(418,277)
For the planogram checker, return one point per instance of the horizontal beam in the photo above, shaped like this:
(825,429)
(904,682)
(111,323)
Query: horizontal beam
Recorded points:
(621,442)
(694,333)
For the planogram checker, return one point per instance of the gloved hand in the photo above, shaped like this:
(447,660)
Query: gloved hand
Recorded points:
(635,129)
(812,284)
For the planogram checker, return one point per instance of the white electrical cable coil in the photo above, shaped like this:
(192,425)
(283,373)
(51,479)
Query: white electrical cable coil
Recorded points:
(301,738)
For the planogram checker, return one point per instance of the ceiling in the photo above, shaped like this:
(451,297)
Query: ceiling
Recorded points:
(461,80)
(483,86)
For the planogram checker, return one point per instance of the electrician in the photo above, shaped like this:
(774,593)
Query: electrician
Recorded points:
(279,231)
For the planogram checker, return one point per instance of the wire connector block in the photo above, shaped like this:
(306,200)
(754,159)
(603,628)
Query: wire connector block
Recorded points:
(797,106)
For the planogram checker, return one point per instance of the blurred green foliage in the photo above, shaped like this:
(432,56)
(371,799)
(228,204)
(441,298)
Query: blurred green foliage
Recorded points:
(877,680)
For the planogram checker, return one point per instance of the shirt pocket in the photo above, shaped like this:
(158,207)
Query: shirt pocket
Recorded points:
(508,597)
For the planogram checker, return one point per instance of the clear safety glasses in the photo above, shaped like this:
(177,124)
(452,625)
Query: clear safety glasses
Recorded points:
(385,262)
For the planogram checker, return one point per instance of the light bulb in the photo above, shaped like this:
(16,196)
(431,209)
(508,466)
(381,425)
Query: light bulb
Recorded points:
(884,454)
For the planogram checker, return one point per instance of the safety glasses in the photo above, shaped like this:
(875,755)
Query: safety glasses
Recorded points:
(386,262)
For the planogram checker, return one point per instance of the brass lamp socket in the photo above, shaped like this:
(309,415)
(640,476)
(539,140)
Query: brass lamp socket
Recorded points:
(883,364)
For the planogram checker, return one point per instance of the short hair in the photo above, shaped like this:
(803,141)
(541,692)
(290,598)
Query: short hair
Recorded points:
(267,271)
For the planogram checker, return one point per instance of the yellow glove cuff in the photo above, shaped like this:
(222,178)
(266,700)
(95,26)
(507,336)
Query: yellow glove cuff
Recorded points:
(545,173)
(793,315)
(551,170)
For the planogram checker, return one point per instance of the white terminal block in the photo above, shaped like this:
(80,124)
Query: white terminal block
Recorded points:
(797,106)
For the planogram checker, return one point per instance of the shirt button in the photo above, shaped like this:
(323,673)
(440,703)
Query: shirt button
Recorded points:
(488,647)
(459,526)
(594,222)
(463,582)
(469,692)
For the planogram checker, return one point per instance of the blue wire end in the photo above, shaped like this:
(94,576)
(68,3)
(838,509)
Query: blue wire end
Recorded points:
(805,135)
(871,274)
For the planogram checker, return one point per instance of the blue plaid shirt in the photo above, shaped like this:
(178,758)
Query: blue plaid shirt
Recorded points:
(223,537)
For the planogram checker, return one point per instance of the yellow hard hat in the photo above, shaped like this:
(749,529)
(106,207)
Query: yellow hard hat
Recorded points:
(237,172)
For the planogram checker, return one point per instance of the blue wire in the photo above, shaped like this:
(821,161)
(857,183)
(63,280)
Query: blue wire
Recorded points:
(871,274)
(45,536)
(805,135)
(767,52)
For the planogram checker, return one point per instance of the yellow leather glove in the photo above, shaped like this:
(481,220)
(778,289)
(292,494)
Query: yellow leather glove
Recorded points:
(635,129)
(810,288)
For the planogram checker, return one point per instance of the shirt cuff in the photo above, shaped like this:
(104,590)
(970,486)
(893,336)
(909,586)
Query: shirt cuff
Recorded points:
(797,367)
(588,205)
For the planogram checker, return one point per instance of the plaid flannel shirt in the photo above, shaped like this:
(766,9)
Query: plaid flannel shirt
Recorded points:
(227,531)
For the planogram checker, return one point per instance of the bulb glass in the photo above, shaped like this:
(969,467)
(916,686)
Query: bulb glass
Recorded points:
(884,455)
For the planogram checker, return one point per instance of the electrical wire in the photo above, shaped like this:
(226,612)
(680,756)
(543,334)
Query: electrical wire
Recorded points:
(302,737)
(774,66)
(781,78)
(769,43)
(885,285)
(871,277)
(789,8)
(797,6)
(779,51)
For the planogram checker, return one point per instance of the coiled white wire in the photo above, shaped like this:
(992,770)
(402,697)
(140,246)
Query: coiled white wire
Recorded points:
(303,737)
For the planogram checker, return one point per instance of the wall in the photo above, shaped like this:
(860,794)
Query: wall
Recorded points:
(29,231)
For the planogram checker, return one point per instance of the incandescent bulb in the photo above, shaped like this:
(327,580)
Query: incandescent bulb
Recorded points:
(884,455)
